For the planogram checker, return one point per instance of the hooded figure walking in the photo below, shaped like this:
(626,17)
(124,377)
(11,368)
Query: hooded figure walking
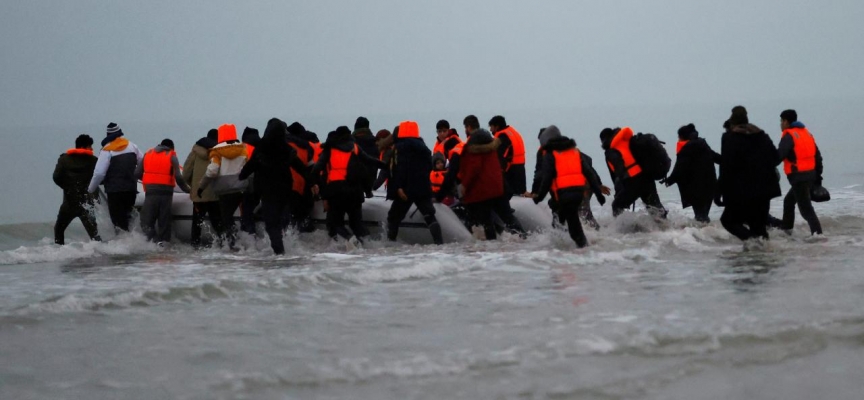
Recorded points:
(694,172)
(73,173)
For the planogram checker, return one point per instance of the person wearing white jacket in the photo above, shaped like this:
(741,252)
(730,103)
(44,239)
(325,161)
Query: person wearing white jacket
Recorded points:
(226,160)
(115,169)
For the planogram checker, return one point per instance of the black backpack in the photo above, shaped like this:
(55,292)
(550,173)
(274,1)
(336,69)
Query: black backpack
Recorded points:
(650,155)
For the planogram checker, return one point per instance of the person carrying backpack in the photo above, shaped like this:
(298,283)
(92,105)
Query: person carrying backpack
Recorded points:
(634,177)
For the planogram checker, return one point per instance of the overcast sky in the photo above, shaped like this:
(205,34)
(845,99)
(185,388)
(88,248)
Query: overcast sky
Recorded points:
(84,61)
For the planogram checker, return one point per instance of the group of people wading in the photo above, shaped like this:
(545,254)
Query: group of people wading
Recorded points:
(283,173)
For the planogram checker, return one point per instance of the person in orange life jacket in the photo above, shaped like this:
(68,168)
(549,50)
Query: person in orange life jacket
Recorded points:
(384,141)
(585,213)
(366,141)
(301,198)
(630,182)
(272,167)
(694,172)
(479,171)
(226,160)
(251,197)
(159,171)
(802,163)
(410,169)
(511,153)
(436,177)
(447,139)
(340,174)
(567,174)
(115,169)
(206,205)
(73,173)
(748,177)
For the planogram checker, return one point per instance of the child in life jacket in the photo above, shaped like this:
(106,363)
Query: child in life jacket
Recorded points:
(436,177)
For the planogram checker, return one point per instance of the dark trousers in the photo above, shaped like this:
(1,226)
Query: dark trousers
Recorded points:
(69,212)
(156,217)
(228,204)
(638,187)
(273,212)
(753,214)
(336,218)
(481,212)
(301,209)
(398,211)
(569,212)
(247,211)
(203,209)
(800,194)
(700,211)
(120,205)
(515,177)
(585,213)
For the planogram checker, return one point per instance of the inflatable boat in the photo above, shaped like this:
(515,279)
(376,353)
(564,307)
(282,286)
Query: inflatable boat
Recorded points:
(412,230)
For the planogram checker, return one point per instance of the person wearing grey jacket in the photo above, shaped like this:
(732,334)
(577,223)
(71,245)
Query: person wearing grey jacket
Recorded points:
(159,170)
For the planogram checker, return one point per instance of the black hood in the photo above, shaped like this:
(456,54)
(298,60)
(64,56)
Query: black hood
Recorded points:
(206,143)
(251,136)
(560,144)
(339,140)
(273,141)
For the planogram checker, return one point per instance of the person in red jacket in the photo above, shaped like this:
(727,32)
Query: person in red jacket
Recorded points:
(479,171)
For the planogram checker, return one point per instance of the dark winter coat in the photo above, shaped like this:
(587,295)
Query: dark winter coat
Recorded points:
(549,172)
(73,173)
(353,186)
(694,173)
(365,139)
(786,150)
(410,168)
(748,166)
(272,162)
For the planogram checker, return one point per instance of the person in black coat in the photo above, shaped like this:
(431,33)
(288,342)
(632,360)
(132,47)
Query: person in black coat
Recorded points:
(251,197)
(410,167)
(748,177)
(271,163)
(365,139)
(694,172)
(343,196)
(569,198)
(73,173)
(302,200)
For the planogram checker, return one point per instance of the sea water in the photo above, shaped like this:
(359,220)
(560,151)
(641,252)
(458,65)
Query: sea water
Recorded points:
(669,310)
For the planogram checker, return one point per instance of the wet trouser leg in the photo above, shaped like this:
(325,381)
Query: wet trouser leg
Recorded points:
(156,217)
(754,214)
(482,214)
(247,211)
(757,219)
(398,209)
(354,210)
(701,211)
(626,193)
(585,210)
(649,196)
(336,218)
(800,194)
(165,219)
(69,212)
(501,207)
(570,213)
(733,218)
(149,214)
(228,204)
(200,210)
(120,205)
(273,210)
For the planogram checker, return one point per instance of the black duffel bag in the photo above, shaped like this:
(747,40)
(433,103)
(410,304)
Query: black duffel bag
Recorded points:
(819,194)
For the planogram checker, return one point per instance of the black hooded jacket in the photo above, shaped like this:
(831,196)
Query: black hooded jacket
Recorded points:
(748,166)
(355,183)
(550,172)
(694,172)
(272,162)
(411,165)
(73,173)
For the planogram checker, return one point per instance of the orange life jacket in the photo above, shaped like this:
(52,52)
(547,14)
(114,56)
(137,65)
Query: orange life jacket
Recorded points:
(298,182)
(517,146)
(249,150)
(408,129)
(621,143)
(337,169)
(457,149)
(316,151)
(439,147)
(568,165)
(157,168)
(437,179)
(680,145)
(805,151)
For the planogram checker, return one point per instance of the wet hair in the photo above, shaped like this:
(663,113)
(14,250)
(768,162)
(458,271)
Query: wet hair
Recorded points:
(83,141)
(498,121)
(789,115)
(472,122)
